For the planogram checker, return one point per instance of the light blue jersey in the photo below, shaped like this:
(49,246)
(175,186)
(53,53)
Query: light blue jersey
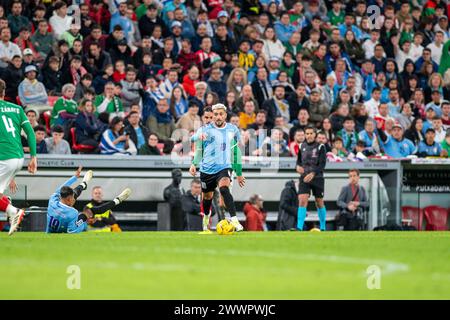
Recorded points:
(62,218)
(217,147)
(399,149)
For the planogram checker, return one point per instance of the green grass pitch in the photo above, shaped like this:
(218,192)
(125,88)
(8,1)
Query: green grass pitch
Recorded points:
(186,265)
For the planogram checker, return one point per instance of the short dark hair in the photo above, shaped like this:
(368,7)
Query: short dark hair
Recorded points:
(354,170)
(66,192)
(348,119)
(57,128)
(207,109)
(311,127)
(39,128)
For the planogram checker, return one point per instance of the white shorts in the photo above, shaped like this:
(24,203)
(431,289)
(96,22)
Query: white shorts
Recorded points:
(8,170)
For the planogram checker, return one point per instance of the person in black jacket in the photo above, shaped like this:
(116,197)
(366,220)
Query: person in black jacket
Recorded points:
(13,75)
(216,84)
(311,162)
(88,128)
(287,212)
(190,203)
(52,76)
(261,87)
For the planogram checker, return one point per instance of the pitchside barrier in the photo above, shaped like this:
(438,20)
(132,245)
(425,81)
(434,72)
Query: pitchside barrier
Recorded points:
(147,176)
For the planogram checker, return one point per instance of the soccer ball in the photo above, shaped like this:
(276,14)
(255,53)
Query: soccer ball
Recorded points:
(314,230)
(224,227)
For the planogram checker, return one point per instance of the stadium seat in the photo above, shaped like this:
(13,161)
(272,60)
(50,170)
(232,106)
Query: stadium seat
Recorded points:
(79,147)
(46,115)
(52,100)
(412,216)
(436,218)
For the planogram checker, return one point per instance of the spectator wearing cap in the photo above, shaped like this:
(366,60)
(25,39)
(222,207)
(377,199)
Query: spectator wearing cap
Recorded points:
(13,75)
(60,21)
(122,52)
(72,34)
(396,145)
(283,28)
(118,10)
(65,107)
(161,120)
(442,26)
(17,21)
(42,39)
(429,147)
(28,58)
(31,91)
(176,29)
(317,107)
(8,49)
(56,143)
(187,28)
(190,121)
(273,69)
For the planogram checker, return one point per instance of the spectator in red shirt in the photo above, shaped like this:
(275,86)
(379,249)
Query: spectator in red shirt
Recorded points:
(255,214)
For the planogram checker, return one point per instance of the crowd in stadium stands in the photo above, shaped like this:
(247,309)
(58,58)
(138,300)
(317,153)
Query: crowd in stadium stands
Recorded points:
(126,77)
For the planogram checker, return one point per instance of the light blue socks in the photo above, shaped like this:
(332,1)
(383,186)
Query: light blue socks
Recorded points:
(322,218)
(301,216)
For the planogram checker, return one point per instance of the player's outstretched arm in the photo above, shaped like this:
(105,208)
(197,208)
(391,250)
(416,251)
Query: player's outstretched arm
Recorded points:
(31,138)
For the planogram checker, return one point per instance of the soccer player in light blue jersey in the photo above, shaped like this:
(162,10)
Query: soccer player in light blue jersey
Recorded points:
(62,217)
(220,139)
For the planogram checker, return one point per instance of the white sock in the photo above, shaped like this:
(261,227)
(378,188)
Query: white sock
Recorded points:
(206,221)
(234,219)
(11,211)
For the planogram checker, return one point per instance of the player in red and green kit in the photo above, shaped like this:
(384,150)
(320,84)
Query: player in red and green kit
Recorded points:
(12,121)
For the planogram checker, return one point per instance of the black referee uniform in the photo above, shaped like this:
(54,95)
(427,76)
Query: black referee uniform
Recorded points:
(312,158)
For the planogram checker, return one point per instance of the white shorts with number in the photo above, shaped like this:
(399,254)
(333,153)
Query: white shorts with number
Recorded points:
(8,170)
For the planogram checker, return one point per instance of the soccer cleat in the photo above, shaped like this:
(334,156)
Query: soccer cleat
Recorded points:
(237,225)
(124,195)
(88,176)
(15,221)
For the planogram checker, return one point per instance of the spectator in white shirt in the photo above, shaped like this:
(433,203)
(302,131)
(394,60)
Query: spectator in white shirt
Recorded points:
(373,104)
(7,49)
(60,21)
(369,44)
(442,26)
(402,54)
(436,47)
(416,46)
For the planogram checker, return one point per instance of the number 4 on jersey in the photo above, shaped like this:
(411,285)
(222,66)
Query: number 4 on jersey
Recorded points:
(9,125)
